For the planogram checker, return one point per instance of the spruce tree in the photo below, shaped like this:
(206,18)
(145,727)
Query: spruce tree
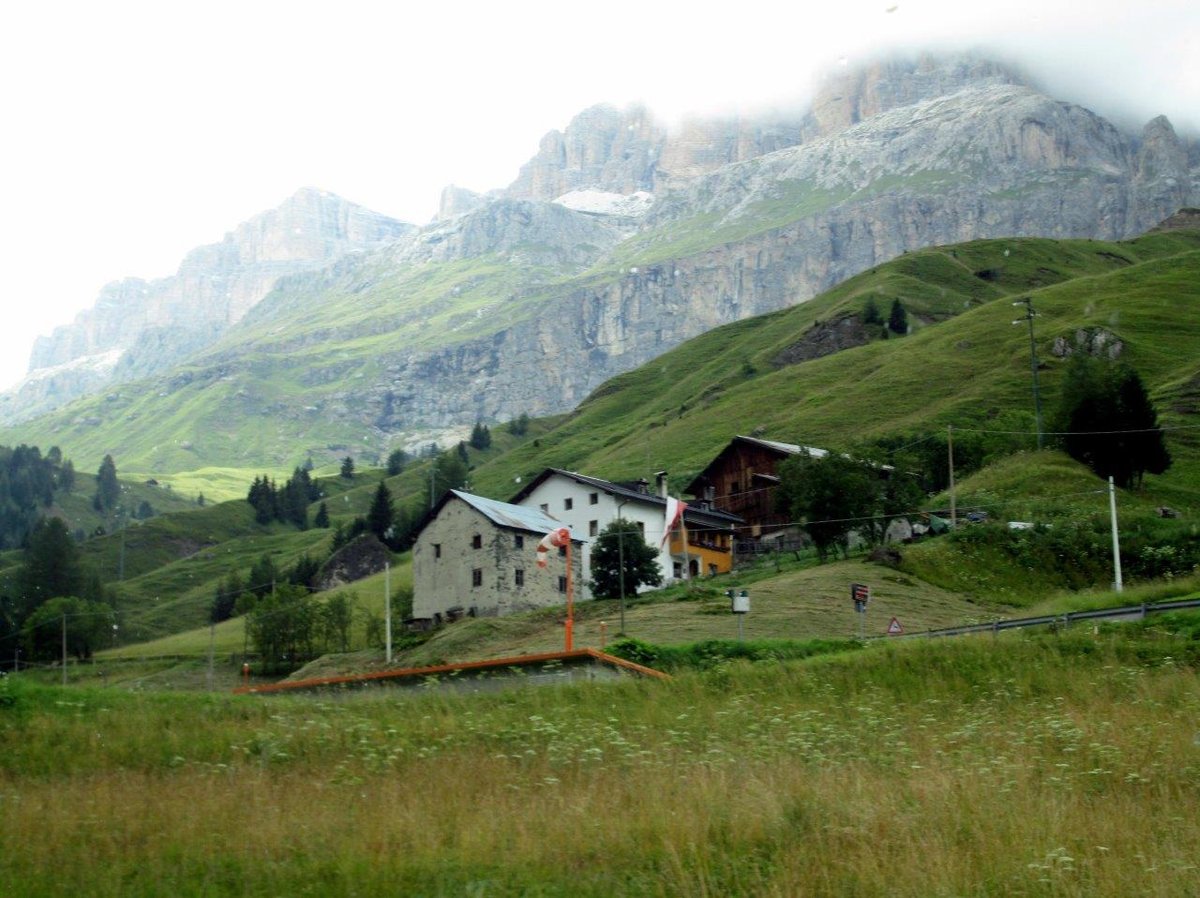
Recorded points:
(381,512)
(898,319)
(481,437)
(108,489)
(396,461)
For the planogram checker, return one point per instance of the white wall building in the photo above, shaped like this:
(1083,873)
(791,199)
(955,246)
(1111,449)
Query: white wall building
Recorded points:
(587,505)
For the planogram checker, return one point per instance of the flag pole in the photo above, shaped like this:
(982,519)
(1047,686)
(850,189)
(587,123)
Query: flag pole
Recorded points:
(687,564)
(570,601)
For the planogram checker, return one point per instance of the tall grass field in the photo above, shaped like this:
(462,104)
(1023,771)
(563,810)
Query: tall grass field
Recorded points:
(1050,764)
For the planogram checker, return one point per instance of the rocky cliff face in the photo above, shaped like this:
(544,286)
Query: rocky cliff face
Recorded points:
(848,97)
(990,161)
(623,151)
(512,304)
(152,325)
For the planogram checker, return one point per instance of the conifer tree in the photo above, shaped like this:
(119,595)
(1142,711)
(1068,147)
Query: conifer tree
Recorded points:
(381,513)
(108,489)
(898,319)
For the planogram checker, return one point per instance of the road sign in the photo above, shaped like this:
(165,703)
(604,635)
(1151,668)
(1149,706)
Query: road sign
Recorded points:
(860,594)
(895,628)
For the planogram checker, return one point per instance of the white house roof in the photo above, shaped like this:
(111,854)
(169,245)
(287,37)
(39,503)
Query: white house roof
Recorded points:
(627,493)
(512,517)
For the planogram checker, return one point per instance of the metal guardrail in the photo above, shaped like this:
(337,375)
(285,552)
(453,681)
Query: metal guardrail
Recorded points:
(1065,619)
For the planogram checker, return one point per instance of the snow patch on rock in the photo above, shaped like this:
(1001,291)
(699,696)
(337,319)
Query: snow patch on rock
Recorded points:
(100,363)
(602,202)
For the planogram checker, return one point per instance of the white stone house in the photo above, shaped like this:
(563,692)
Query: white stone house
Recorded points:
(588,504)
(477,557)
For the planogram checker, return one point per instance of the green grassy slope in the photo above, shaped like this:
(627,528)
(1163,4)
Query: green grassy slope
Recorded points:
(296,360)
(678,410)
(964,363)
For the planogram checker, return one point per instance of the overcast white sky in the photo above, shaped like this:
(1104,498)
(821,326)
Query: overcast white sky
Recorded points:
(133,132)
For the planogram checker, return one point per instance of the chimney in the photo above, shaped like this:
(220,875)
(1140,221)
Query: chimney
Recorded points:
(660,478)
(643,486)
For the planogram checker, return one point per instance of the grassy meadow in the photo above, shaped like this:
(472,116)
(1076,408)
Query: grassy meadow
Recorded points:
(1048,764)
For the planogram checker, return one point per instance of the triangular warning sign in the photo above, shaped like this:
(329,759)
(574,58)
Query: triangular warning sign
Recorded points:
(894,628)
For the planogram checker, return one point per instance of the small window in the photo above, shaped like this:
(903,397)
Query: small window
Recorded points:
(677,570)
(519,541)
(519,577)
(545,507)
(562,584)
(562,551)
(437,550)
(477,577)
(568,504)
(642,528)
(593,528)
(593,498)
(477,541)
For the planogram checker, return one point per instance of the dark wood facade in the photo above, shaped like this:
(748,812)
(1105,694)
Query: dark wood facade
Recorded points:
(742,479)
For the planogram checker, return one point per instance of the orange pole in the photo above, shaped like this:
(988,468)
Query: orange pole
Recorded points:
(570,602)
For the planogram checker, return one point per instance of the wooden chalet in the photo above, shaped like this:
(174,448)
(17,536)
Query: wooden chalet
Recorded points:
(742,479)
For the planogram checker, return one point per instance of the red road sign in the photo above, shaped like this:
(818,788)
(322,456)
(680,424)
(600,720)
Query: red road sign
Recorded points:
(895,628)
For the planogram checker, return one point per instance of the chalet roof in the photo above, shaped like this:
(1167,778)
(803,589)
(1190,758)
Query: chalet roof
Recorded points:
(624,492)
(785,448)
(696,487)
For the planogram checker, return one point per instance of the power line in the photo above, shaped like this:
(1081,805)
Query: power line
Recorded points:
(1080,433)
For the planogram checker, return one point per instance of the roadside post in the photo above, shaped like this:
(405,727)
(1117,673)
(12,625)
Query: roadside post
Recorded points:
(739,604)
(860,594)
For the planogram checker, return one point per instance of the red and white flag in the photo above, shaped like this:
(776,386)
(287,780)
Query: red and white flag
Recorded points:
(553,540)
(675,509)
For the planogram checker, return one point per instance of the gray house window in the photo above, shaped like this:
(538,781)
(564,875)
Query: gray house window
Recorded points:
(477,577)
(593,498)
(437,550)
(562,584)
(568,504)
(476,541)
(519,577)
(593,528)
(518,541)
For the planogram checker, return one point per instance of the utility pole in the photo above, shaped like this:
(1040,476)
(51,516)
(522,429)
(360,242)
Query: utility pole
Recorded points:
(387,608)
(621,560)
(212,635)
(121,563)
(1029,315)
(950,449)
(1116,544)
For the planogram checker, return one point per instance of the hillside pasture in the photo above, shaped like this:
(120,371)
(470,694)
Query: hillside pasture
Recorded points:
(1038,765)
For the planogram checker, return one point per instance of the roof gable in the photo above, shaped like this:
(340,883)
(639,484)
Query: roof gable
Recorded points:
(693,512)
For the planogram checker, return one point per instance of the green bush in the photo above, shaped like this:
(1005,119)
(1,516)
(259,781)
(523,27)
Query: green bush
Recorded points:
(712,653)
